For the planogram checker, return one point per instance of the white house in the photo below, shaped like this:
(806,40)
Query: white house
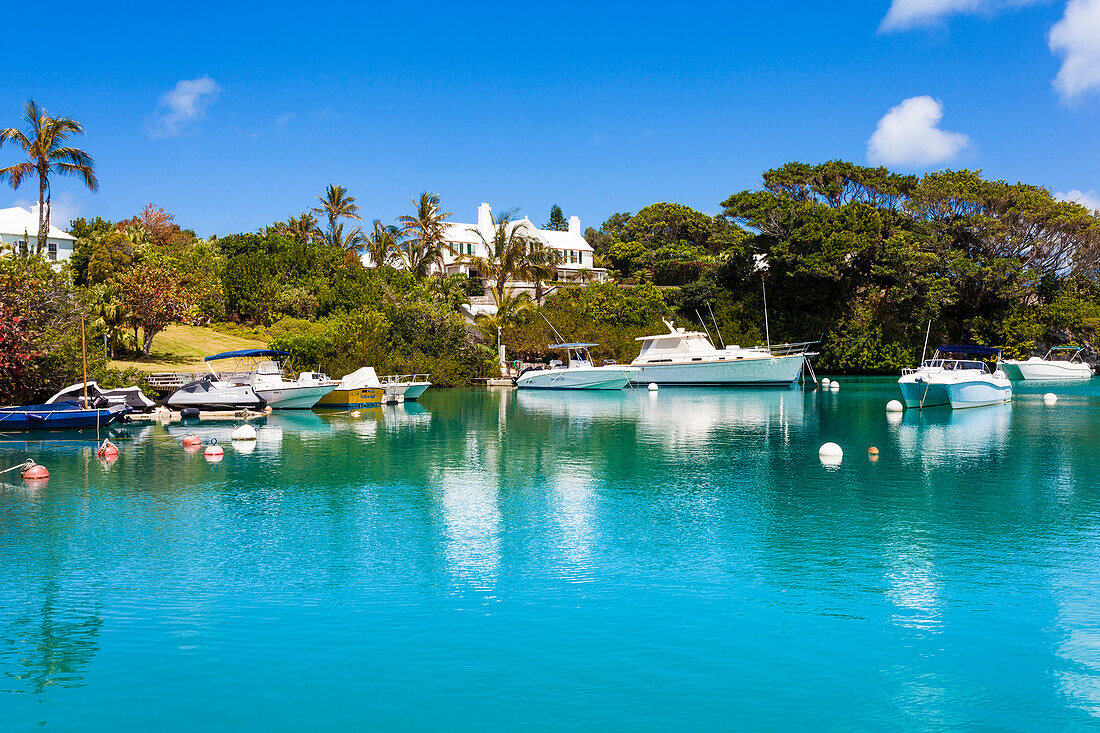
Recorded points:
(19,226)
(462,239)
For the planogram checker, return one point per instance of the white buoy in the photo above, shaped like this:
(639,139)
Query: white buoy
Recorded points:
(894,406)
(244,432)
(652,386)
(830,454)
(834,387)
(1050,398)
(826,382)
(355,413)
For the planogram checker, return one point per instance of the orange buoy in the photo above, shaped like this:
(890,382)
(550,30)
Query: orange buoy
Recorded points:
(108,450)
(873,451)
(268,410)
(190,439)
(35,472)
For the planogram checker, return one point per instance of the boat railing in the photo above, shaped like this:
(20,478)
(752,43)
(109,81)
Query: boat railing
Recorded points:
(791,349)
(402,378)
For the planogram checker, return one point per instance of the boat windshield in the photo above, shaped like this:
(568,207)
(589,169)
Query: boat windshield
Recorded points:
(954,364)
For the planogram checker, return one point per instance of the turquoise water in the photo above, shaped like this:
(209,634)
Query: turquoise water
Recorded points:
(492,560)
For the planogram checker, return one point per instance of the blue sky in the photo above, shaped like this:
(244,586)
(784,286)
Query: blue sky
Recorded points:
(232,117)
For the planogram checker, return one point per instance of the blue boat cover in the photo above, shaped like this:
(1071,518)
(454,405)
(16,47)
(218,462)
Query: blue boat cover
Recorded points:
(571,346)
(54,407)
(247,352)
(975,350)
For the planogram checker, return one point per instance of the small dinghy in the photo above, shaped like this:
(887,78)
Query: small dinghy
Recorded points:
(131,397)
(59,416)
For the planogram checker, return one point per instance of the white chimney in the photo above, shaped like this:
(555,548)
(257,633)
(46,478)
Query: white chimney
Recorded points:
(574,225)
(484,217)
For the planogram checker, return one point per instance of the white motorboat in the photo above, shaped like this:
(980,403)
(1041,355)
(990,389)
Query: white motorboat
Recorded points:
(578,372)
(132,397)
(408,386)
(258,369)
(682,357)
(1051,367)
(211,393)
(945,380)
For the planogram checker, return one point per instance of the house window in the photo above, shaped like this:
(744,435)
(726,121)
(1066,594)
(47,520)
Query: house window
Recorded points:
(52,246)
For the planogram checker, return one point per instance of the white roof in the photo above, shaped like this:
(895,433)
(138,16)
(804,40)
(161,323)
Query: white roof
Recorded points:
(363,378)
(456,232)
(17,220)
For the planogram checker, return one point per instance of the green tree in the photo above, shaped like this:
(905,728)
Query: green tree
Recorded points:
(557,221)
(336,204)
(153,299)
(424,235)
(381,246)
(44,143)
(508,252)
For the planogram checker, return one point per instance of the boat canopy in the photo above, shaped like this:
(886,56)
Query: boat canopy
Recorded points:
(244,353)
(572,346)
(974,350)
(1065,348)
(363,378)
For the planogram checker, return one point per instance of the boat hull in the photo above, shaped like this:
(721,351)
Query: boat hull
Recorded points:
(921,394)
(59,416)
(1042,370)
(609,378)
(351,399)
(210,395)
(415,389)
(978,393)
(771,371)
(294,396)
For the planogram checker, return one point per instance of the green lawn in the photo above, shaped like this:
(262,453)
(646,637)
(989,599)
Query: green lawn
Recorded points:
(181,349)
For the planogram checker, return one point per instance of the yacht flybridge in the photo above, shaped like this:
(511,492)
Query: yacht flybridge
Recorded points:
(578,372)
(951,379)
(682,357)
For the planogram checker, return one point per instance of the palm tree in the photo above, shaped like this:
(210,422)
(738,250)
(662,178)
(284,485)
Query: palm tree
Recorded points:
(44,143)
(510,306)
(424,233)
(336,204)
(302,228)
(107,307)
(508,255)
(541,264)
(382,244)
(351,242)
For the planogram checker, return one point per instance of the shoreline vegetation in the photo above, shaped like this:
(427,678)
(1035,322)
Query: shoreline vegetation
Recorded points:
(859,257)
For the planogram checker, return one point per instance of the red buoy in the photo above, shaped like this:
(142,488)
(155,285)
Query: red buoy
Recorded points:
(108,450)
(34,472)
(190,439)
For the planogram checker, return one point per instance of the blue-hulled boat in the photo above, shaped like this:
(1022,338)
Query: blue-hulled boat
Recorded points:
(58,416)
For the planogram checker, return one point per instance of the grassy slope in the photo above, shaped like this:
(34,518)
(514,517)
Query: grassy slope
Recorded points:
(181,349)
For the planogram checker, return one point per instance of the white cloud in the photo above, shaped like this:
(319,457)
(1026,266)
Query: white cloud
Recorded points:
(1088,199)
(283,121)
(1076,37)
(908,135)
(184,104)
(906,14)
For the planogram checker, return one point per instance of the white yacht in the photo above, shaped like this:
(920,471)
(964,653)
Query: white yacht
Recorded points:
(258,369)
(577,372)
(946,380)
(408,386)
(1061,362)
(682,357)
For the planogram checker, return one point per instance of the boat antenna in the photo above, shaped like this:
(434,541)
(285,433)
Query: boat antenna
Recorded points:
(715,322)
(926,334)
(704,324)
(561,338)
(84,360)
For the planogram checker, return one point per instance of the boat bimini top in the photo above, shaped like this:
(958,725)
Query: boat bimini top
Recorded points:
(576,353)
(247,353)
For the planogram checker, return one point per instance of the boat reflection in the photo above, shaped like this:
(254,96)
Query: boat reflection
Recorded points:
(939,435)
(675,417)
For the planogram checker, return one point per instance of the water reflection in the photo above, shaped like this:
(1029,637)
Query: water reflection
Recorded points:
(939,435)
(471,518)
